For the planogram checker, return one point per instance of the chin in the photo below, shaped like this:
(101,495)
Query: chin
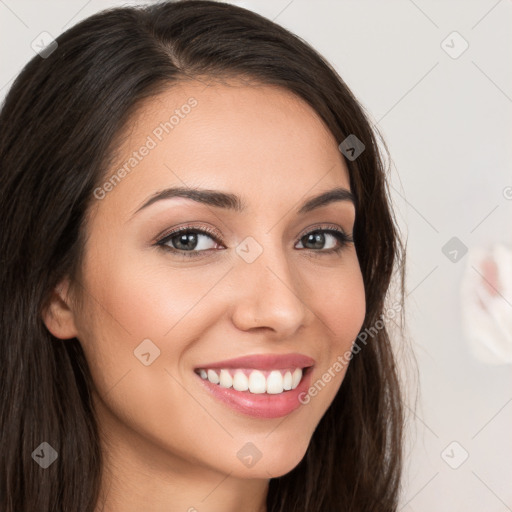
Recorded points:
(274,462)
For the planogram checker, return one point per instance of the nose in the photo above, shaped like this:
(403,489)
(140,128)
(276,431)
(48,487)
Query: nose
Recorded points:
(269,294)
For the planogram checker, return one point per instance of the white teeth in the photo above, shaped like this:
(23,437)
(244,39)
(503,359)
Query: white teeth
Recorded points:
(226,381)
(257,382)
(240,381)
(213,377)
(287,381)
(297,375)
(274,384)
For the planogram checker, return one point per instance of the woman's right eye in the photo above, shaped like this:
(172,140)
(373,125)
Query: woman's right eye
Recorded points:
(188,241)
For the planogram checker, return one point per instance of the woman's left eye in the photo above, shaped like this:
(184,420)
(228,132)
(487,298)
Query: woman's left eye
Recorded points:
(187,241)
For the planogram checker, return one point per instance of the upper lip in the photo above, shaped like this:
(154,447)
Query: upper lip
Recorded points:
(264,362)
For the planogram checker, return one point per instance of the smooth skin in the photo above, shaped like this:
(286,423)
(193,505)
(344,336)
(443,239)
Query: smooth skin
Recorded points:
(168,444)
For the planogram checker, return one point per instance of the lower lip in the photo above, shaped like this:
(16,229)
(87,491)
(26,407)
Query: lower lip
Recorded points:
(261,405)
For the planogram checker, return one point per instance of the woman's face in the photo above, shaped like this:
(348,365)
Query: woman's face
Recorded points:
(256,284)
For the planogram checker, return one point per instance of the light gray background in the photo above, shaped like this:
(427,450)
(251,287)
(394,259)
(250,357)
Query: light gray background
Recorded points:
(447,123)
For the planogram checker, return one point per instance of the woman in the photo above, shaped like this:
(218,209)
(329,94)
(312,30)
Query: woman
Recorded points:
(197,245)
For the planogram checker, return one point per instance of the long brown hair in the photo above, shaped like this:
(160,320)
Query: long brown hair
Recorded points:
(58,128)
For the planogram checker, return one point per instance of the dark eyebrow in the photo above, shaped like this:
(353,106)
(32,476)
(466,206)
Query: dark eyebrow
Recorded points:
(233,202)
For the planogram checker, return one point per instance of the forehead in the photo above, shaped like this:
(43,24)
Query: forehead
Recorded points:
(261,142)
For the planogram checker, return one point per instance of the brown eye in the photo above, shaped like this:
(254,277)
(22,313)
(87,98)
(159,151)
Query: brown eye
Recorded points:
(316,240)
(190,242)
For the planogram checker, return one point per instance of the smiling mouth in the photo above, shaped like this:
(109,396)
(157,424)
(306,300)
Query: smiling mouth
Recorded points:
(251,380)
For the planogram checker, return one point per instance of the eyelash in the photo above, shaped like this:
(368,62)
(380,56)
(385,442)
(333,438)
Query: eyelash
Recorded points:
(339,234)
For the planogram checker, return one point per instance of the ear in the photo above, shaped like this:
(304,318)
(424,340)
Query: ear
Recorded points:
(58,315)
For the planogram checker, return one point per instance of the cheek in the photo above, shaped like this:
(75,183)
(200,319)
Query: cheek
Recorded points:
(164,301)
(338,297)
(143,295)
